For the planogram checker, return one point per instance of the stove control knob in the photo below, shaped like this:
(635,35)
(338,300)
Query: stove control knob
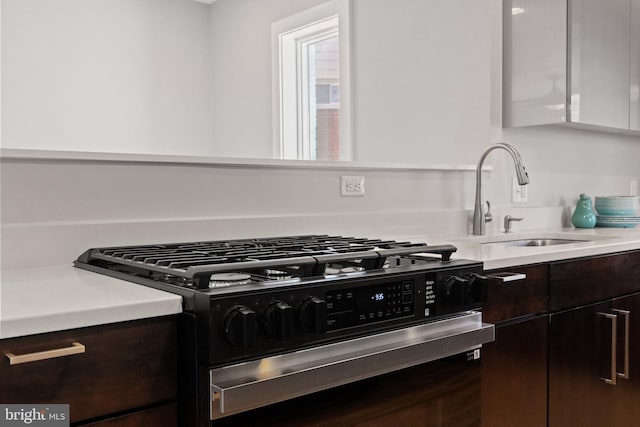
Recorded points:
(240,327)
(478,285)
(312,314)
(456,290)
(278,321)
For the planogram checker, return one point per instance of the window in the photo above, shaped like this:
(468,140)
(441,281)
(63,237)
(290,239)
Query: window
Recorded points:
(311,69)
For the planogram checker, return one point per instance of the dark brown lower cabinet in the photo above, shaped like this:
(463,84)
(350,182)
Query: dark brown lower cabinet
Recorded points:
(162,415)
(558,369)
(124,374)
(444,393)
(514,366)
(580,342)
(594,365)
(514,375)
(627,403)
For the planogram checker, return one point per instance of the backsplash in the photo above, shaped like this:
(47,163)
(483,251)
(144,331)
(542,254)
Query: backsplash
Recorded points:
(52,210)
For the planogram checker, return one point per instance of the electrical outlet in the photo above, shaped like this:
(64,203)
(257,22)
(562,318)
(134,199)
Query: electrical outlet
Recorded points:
(633,188)
(352,185)
(518,192)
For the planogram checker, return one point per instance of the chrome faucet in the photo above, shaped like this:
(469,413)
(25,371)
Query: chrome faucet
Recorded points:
(479,220)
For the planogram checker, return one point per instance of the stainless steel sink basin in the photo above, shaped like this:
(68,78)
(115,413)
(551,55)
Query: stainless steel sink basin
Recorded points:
(535,242)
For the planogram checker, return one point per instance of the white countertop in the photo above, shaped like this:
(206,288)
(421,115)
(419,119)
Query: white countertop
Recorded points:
(595,241)
(46,299)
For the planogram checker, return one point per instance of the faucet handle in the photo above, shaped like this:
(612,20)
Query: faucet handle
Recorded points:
(488,217)
(507,222)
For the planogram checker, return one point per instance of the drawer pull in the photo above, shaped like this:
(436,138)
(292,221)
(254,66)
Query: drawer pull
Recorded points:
(625,373)
(76,348)
(614,328)
(506,277)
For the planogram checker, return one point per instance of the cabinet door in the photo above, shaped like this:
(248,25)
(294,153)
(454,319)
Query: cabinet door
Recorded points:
(124,367)
(627,410)
(580,358)
(634,114)
(599,62)
(514,375)
(162,415)
(534,62)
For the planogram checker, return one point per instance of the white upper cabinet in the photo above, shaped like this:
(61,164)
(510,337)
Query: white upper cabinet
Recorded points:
(634,43)
(599,62)
(572,61)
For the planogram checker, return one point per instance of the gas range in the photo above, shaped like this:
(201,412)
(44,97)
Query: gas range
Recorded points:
(268,294)
(289,302)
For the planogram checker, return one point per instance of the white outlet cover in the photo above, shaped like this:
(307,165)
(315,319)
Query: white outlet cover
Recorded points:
(518,192)
(352,185)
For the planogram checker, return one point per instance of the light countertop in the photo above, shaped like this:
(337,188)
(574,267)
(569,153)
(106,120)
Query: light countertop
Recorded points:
(46,299)
(589,242)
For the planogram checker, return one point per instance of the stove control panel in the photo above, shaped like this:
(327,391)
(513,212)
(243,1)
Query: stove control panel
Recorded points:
(368,304)
(246,325)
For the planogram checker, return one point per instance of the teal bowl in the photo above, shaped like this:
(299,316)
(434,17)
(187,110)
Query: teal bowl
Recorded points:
(616,205)
(615,211)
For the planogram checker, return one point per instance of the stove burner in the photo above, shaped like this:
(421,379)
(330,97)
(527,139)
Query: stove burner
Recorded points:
(341,270)
(277,274)
(218,280)
(177,280)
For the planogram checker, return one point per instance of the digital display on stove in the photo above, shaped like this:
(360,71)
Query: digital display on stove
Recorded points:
(369,304)
(373,298)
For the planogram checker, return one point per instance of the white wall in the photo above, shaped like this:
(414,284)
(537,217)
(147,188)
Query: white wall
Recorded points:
(181,77)
(422,79)
(52,210)
(242,73)
(96,75)
(563,163)
(420,69)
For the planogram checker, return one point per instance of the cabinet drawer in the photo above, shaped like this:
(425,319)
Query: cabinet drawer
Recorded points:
(509,300)
(123,366)
(165,415)
(578,282)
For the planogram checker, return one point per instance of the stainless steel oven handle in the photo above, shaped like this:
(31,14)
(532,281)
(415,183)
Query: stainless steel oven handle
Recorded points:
(250,385)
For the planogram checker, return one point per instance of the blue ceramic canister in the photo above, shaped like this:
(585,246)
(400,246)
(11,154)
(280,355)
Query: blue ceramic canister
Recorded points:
(584,215)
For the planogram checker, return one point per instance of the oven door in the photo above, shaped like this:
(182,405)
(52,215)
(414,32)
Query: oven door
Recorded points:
(245,386)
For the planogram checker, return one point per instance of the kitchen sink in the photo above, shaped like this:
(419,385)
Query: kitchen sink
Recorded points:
(535,242)
(532,240)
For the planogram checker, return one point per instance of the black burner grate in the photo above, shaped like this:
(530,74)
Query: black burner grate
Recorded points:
(192,264)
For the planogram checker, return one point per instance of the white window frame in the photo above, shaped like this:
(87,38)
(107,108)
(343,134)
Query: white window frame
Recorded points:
(290,38)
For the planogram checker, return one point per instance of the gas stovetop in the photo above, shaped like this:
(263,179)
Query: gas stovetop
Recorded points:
(213,265)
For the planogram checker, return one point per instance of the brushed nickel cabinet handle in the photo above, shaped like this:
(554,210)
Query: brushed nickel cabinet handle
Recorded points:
(614,328)
(625,313)
(506,277)
(76,348)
